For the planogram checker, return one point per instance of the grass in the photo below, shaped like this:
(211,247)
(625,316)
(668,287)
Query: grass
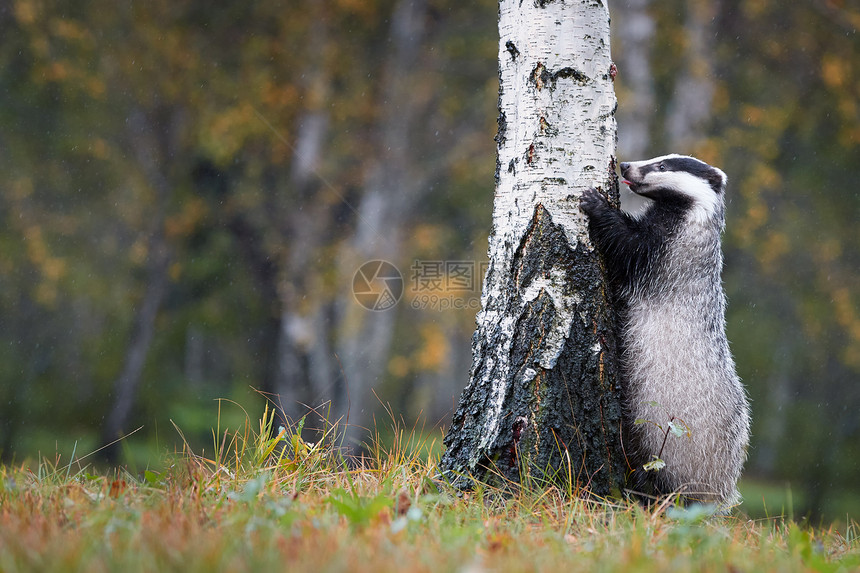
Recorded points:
(286,504)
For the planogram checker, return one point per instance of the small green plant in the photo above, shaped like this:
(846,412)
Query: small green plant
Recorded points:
(356,508)
(675,426)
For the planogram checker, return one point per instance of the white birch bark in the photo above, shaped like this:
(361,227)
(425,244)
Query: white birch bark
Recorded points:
(559,105)
(556,138)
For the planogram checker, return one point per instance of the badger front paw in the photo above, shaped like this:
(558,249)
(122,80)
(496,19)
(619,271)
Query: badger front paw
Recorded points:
(592,202)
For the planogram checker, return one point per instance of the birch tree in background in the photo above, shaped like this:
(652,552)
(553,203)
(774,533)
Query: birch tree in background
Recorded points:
(635,29)
(391,190)
(690,108)
(305,363)
(151,149)
(543,397)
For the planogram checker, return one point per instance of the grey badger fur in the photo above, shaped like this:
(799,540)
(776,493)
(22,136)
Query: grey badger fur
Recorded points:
(664,267)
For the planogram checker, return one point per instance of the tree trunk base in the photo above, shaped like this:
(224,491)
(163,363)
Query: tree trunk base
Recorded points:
(560,420)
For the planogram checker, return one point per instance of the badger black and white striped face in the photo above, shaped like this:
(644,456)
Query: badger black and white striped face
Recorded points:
(678,177)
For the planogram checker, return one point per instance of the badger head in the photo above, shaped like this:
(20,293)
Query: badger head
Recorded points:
(679,179)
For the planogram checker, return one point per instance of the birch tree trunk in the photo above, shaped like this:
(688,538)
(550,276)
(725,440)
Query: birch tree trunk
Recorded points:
(543,400)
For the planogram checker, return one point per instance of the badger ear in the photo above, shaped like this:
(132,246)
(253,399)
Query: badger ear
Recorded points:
(717,181)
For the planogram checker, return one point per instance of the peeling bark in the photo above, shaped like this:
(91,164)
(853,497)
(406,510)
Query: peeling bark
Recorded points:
(543,400)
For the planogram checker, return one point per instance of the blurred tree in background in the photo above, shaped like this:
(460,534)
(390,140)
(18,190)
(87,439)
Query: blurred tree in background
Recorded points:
(186,193)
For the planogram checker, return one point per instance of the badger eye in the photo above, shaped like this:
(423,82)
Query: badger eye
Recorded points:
(662,167)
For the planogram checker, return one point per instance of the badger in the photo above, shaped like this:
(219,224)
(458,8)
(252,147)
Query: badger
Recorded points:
(684,403)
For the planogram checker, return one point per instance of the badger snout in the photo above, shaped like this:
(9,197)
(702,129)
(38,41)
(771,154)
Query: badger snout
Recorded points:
(627,175)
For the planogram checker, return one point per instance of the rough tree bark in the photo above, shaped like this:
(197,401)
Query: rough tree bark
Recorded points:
(544,399)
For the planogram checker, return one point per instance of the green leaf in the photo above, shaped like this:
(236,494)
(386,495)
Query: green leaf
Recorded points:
(693,513)
(640,421)
(654,465)
(357,509)
(252,489)
(677,429)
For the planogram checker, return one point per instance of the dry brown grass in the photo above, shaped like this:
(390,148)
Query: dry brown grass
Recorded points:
(254,505)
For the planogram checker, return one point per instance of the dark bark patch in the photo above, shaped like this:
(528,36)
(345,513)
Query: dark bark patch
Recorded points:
(542,77)
(572,73)
(502,131)
(556,421)
(539,76)
(547,128)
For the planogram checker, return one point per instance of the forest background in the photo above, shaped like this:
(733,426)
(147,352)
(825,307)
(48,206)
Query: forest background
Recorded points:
(187,193)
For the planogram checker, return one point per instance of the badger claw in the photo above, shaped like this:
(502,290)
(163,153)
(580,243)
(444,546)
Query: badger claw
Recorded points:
(591,201)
